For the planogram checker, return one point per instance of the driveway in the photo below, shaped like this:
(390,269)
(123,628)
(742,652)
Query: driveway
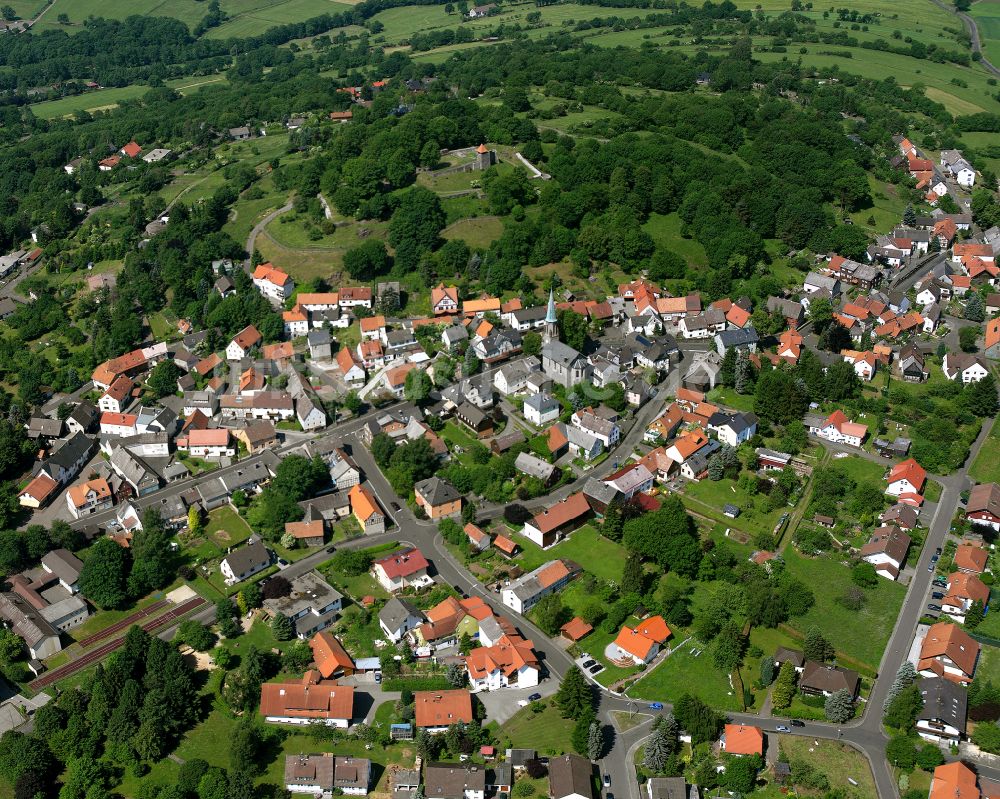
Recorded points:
(502,705)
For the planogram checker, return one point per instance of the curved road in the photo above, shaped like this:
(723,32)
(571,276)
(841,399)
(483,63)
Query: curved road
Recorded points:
(252,238)
(973,29)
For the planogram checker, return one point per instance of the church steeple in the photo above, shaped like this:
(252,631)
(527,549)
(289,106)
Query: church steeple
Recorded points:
(551,320)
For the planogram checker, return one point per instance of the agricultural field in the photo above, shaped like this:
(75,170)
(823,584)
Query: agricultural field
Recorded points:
(246,17)
(987,16)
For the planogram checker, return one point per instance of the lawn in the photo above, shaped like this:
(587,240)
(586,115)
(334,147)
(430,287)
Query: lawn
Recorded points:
(666,233)
(477,233)
(839,762)
(225,527)
(727,397)
(707,497)
(686,673)
(988,667)
(105,618)
(986,467)
(987,16)
(458,436)
(548,732)
(99,100)
(861,470)
(829,580)
(596,554)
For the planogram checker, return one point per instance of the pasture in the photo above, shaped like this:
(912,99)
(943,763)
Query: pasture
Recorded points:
(987,16)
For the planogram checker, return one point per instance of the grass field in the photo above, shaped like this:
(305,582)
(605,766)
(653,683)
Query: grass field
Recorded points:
(986,468)
(666,233)
(987,16)
(707,497)
(596,554)
(548,732)
(479,232)
(829,580)
(683,673)
(839,762)
(246,17)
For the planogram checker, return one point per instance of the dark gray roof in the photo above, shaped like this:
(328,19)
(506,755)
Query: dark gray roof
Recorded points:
(70,452)
(396,612)
(943,701)
(248,557)
(452,780)
(436,491)
(736,337)
(569,775)
(822,677)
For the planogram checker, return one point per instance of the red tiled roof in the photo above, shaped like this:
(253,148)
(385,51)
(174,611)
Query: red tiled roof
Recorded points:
(403,564)
(442,708)
(329,654)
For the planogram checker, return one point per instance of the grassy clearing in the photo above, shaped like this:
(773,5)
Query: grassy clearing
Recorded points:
(548,731)
(838,761)
(684,673)
(986,467)
(477,233)
(666,233)
(830,580)
(99,100)
(988,667)
(105,618)
(708,497)
(596,554)
(987,16)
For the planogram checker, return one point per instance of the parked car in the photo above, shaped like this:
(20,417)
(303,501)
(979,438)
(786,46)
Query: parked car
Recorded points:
(798,723)
(930,566)
(597,668)
(588,663)
(331,548)
(937,551)
(656,705)
(932,606)
(282,563)
(607,780)
(394,506)
(534,697)
(378,676)
(783,728)
(937,595)
(935,558)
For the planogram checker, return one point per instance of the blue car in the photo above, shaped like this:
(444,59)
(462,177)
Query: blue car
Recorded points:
(656,706)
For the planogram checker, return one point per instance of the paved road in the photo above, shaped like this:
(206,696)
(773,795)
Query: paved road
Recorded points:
(970,25)
(252,238)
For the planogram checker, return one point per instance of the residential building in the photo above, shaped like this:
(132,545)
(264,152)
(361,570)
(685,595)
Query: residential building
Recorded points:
(964,367)
(547,527)
(307,533)
(571,777)
(243,343)
(541,408)
(272,283)
(983,507)
(525,592)
(330,657)
(962,591)
(311,774)
(822,679)
(948,651)
(740,739)
(944,712)
(886,550)
(733,428)
(397,618)
(312,605)
(208,443)
(455,780)
(435,711)
(437,498)
(906,480)
(837,429)
(955,781)
(89,497)
(245,562)
(309,701)
(630,480)
(366,510)
(640,644)
(444,300)
(603,429)
(402,569)
(971,558)
(510,662)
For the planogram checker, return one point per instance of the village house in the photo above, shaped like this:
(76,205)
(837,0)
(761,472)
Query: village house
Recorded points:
(640,644)
(886,550)
(906,480)
(549,526)
(435,711)
(89,497)
(950,652)
(366,510)
(272,283)
(983,507)
(308,701)
(245,562)
(243,343)
(962,591)
(403,569)
(944,713)
(837,429)
(571,777)
(211,443)
(541,408)
(528,590)
(437,498)
(398,617)
(456,780)
(740,739)
(822,679)
(510,662)
(964,367)
(312,604)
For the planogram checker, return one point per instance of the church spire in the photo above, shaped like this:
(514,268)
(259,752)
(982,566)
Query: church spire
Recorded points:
(551,320)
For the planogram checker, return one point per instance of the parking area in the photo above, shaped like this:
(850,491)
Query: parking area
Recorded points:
(589,665)
(501,705)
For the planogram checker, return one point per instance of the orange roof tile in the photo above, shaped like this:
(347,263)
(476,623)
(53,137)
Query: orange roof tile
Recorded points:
(743,740)
(372,323)
(442,708)
(321,700)
(576,628)
(329,654)
(271,274)
(363,503)
(908,470)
